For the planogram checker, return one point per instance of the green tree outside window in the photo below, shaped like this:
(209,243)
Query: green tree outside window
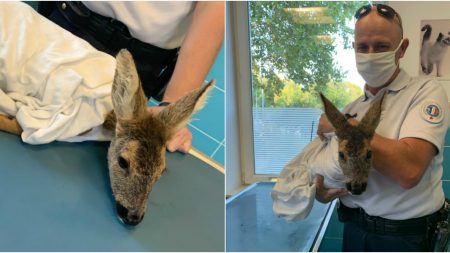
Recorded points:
(293,52)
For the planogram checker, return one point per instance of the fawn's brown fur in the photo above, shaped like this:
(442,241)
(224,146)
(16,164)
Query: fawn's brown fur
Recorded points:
(136,156)
(355,155)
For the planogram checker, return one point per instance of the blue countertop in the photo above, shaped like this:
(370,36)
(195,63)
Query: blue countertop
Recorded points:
(252,225)
(56,197)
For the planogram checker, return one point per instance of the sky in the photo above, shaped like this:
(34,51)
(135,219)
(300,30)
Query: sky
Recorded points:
(346,58)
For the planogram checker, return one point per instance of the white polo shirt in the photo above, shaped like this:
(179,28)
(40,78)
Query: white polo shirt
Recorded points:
(413,107)
(163,24)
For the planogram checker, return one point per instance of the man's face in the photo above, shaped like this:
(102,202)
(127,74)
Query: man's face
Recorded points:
(376,34)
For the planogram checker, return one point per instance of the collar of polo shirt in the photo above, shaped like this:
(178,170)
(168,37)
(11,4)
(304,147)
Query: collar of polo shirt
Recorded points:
(400,82)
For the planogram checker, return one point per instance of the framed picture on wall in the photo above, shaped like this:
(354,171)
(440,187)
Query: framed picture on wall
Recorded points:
(434,44)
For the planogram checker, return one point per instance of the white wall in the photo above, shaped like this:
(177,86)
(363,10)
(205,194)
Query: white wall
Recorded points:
(412,14)
(232,158)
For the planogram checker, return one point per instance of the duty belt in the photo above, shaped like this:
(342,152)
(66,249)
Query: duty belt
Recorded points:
(382,226)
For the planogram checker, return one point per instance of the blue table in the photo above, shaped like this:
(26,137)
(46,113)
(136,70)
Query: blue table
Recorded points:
(252,225)
(57,197)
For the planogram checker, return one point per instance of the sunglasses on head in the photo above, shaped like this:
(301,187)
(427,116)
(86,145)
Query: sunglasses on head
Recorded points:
(382,9)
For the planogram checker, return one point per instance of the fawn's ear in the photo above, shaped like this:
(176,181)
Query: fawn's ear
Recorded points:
(176,115)
(372,117)
(336,118)
(128,98)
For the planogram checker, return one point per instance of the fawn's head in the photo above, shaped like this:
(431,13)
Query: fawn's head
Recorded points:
(136,156)
(355,155)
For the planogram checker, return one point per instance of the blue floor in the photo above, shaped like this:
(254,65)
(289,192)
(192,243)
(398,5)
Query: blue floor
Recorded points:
(56,197)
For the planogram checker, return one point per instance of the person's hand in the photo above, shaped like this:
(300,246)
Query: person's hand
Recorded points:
(181,141)
(324,127)
(325,195)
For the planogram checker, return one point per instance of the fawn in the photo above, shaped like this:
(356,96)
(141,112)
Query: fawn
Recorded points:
(355,156)
(136,156)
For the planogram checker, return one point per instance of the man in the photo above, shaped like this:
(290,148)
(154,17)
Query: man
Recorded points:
(174,44)
(404,190)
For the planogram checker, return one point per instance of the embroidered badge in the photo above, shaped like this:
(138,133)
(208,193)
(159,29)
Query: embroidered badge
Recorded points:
(432,112)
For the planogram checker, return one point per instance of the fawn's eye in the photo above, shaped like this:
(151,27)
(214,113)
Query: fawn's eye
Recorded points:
(369,155)
(122,163)
(341,156)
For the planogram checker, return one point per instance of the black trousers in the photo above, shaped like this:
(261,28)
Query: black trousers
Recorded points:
(154,72)
(356,239)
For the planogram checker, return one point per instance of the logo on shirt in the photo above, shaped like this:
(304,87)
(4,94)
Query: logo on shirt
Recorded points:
(432,112)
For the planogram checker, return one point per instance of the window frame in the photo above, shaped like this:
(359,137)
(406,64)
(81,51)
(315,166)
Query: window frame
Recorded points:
(241,28)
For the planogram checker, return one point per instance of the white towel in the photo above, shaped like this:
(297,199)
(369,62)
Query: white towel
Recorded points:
(294,193)
(56,84)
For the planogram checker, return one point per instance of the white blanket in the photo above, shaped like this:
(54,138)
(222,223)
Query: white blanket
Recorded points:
(294,193)
(55,84)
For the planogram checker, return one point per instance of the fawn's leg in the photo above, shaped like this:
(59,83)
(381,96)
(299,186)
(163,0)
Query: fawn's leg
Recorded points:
(10,125)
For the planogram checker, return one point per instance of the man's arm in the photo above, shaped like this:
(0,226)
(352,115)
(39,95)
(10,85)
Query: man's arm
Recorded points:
(199,49)
(404,160)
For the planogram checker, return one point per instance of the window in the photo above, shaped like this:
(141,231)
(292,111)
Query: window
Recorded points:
(296,50)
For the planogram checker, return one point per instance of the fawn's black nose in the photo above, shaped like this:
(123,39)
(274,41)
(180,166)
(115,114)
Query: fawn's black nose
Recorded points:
(356,188)
(126,218)
(121,210)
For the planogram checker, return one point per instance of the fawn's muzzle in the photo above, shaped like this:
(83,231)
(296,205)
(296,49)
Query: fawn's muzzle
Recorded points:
(126,217)
(356,188)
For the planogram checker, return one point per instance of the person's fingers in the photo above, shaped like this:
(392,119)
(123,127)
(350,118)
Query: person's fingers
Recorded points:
(182,141)
(325,195)
(186,146)
(175,142)
(319,181)
(335,193)
(187,143)
(172,145)
(343,193)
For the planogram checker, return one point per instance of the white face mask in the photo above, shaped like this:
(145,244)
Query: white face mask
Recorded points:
(377,68)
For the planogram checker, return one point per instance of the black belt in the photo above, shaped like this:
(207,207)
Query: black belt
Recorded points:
(113,33)
(382,226)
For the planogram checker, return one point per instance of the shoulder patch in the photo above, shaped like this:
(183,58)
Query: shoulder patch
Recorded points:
(432,112)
